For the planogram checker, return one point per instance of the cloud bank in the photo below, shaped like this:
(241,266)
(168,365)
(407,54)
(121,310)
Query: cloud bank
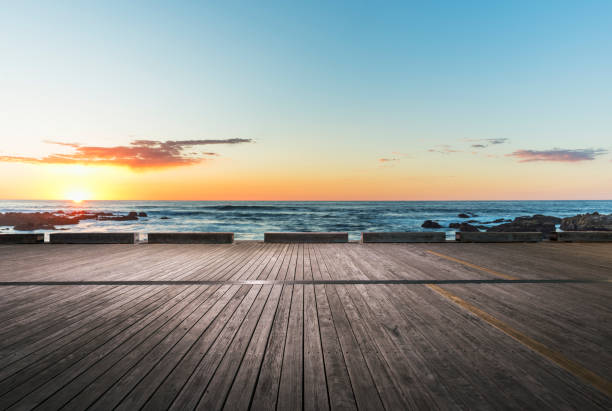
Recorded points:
(558,155)
(138,155)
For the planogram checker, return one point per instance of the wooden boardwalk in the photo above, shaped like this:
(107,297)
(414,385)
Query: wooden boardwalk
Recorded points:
(306,326)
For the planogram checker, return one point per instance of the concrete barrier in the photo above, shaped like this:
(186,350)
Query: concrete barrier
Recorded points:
(495,237)
(582,236)
(93,238)
(403,237)
(22,238)
(191,238)
(306,237)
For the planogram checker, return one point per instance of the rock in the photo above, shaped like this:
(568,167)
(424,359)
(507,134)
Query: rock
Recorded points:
(499,220)
(588,222)
(164,218)
(462,215)
(537,222)
(48,220)
(32,227)
(130,217)
(463,227)
(430,224)
(142,214)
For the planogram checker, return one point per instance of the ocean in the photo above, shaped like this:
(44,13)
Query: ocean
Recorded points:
(250,219)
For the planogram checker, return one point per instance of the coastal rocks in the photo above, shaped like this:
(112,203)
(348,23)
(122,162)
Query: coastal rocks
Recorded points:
(130,217)
(588,222)
(142,214)
(499,220)
(463,215)
(537,222)
(430,224)
(164,218)
(49,220)
(465,227)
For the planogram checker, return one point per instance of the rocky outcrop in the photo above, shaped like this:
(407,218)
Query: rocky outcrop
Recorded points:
(465,227)
(463,215)
(588,222)
(499,220)
(49,220)
(130,217)
(538,222)
(430,224)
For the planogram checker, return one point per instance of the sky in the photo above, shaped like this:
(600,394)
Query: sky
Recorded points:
(440,100)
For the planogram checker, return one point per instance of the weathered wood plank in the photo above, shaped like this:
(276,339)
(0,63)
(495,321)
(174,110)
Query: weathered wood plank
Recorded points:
(190,238)
(22,238)
(403,237)
(306,237)
(93,238)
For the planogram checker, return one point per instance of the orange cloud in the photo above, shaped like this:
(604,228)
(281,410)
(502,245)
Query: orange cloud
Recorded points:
(140,154)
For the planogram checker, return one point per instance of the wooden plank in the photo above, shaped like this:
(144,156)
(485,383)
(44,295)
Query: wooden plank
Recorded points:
(93,238)
(266,389)
(315,384)
(290,393)
(582,236)
(403,237)
(191,238)
(243,387)
(68,383)
(306,237)
(162,387)
(495,237)
(22,238)
(39,373)
(340,390)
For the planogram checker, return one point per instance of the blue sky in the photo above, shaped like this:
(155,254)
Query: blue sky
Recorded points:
(334,87)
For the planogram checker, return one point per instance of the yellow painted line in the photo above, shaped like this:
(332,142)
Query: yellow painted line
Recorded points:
(574,368)
(467,264)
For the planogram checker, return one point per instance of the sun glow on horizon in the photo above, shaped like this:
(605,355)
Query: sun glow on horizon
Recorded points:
(78,196)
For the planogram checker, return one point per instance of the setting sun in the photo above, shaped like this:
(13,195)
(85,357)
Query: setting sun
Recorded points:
(78,196)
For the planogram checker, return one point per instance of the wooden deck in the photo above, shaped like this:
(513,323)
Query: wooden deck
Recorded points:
(306,326)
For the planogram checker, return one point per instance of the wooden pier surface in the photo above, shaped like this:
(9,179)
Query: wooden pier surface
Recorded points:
(306,326)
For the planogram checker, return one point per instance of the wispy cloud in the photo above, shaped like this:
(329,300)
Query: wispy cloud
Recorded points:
(558,155)
(485,142)
(388,160)
(443,149)
(139,154)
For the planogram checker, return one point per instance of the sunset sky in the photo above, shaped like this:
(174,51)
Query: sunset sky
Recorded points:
(281,101)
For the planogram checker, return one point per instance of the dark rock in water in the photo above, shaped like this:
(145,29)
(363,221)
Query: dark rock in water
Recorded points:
(142,214)
(538,222)
(499,220)
(32,227)
(164,218)
(430,224)
(48,221)
(463,227)
(463,215)
(130,217)
(588,222)
(472,221)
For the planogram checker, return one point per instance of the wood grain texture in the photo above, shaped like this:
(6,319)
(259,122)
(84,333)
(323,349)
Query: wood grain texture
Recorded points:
(361,326)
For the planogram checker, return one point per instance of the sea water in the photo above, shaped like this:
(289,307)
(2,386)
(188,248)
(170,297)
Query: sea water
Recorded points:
(250,219)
